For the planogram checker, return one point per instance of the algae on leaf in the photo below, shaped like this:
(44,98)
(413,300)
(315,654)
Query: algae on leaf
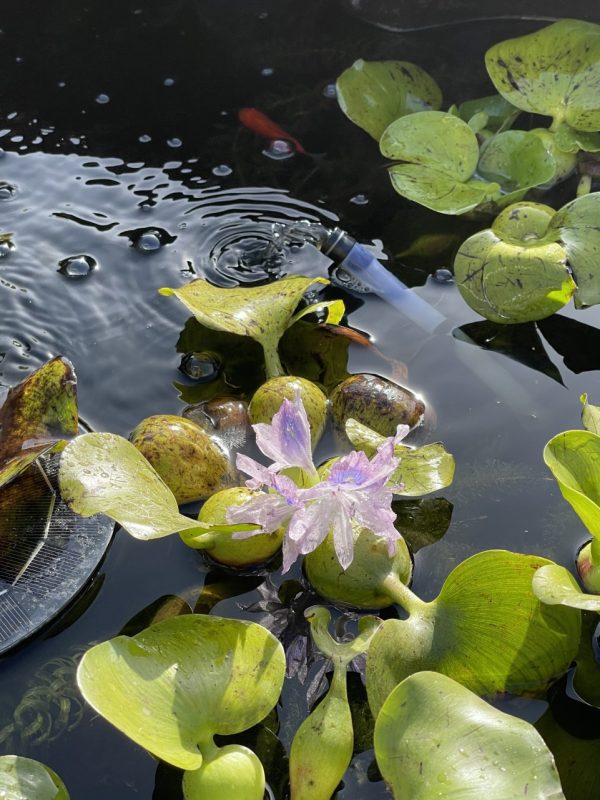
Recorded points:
(36,416)
(375,93)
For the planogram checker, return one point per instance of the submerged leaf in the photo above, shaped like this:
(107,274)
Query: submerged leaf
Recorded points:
(101,473)
(554,71)
(176,684)
(36,416)
(462,744)
(375,93)
(486,629)
(261,312)
(25,779)
(440,152)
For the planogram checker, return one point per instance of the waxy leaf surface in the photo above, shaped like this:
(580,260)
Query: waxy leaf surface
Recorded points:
(518,161)
(461,747)
(260,312)
(554,585)
(180,682)
(554,71)
(590,415)
(375,93)
(25,779)
(102,473)
(36,415)
(440,152)
(577,226)
(486,629)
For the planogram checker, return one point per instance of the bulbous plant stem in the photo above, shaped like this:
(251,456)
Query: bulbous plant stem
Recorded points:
(402,595)
(230,771)
(588,566)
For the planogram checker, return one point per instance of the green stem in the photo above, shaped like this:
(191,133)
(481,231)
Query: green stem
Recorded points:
(402,595)
(273,365)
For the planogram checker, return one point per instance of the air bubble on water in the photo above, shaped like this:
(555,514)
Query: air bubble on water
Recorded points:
(200,367)
(61,84)
(359,199)
(7,190)
(75,140)
(144,138)
(443,276)
(279,150)
(148,240)
(16,138)
(174,142)
(263,15)
(102,99)
(77,267)
(266,72)
(12,115)
(330,91)
(345,280)
(168,82)
(6,247)
(222,170)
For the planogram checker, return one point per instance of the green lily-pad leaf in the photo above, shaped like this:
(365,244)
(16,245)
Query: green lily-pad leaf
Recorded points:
(577,226)
(486,630)
(554,71)
(421,469)
(499,112)
(573,458)
(461,747)
(554,585)
(175,685)
(36,416)
(572,141)
(25,779)
(261,312)
(440,152)
(102,473)
(375,93)
(517,160)
(515,271)
(590,415)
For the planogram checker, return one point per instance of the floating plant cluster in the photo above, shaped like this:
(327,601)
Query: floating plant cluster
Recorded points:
(502,622)
(472,160)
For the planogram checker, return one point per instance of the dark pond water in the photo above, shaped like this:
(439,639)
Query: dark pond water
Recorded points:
(130,171)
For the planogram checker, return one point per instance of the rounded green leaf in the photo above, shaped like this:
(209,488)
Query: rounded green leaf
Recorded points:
(460,747)
(261,312)
(441,154)
(233,771)
(573,457)
(178,683)
(554,71)
(497,110)
(433,139)
(26,779)
(102,473)
(554,585)
(516,160)
(577,226)
(486,629)
(510,283)
(375,93)
(572,141)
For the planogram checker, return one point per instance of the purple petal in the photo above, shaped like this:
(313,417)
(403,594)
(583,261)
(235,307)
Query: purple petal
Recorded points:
(350,470)
(343,539)
(286,441)
(260,475)
(291,551)
(270,511)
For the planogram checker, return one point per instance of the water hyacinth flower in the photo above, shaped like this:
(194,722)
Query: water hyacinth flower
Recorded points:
(356,490)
